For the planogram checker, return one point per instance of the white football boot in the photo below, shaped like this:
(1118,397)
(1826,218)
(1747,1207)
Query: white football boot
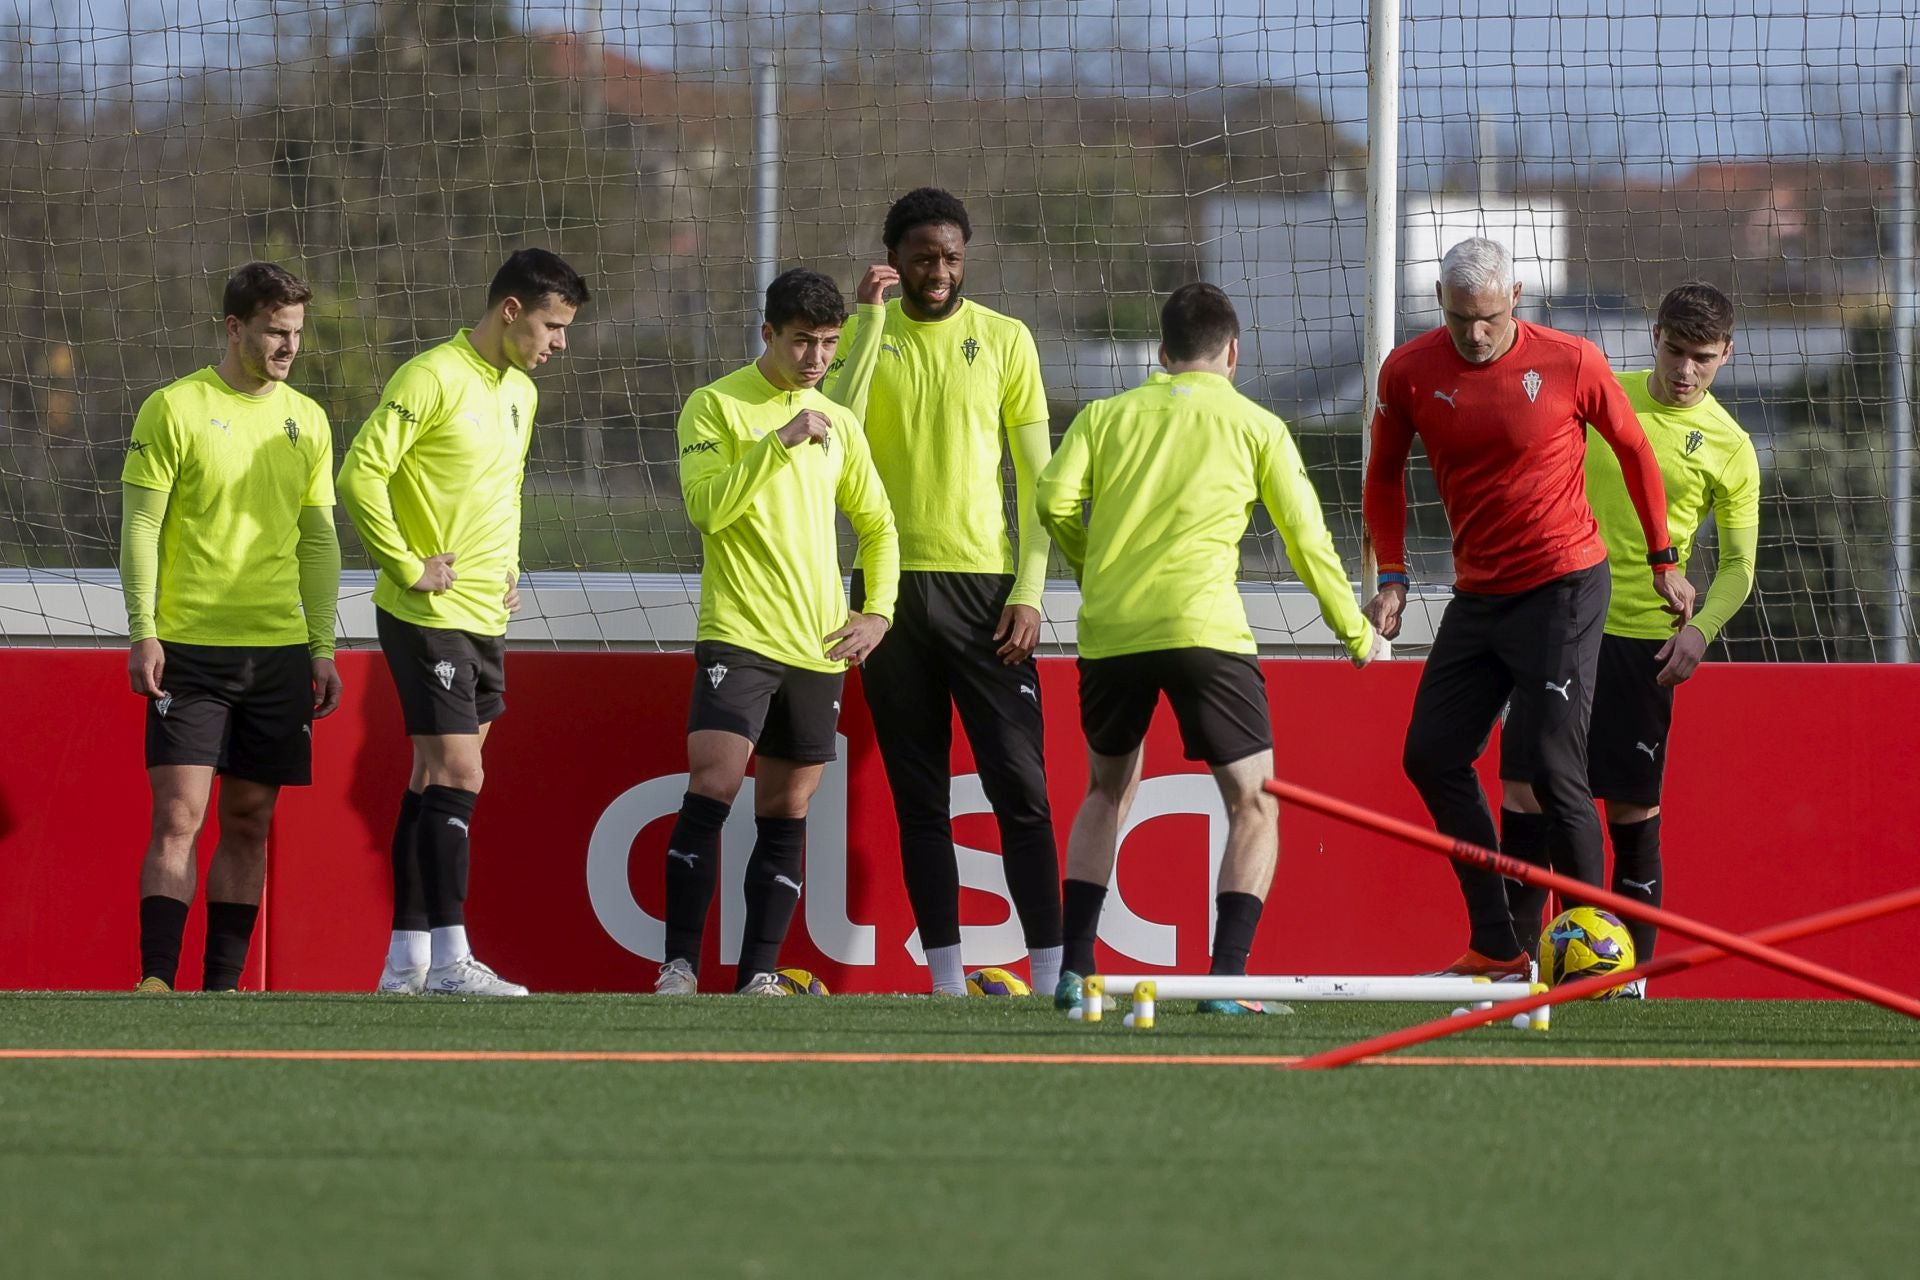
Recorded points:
(763,984)
(676,979)
(468,977)
(401,982)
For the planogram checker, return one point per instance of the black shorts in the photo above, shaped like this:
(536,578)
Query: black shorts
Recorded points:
(245,710)
(1219,700)
(1632,712)
(788,713)
(449,681)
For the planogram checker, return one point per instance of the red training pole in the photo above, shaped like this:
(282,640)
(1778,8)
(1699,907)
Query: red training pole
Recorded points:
(1568,887)
(1691,958)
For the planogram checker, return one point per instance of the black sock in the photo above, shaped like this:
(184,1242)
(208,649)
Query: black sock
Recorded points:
(772,892)
(693,868)
(1636,875)
(1081,901)
(1236,917)
(162,921)
(229,931)
(409,890)
(440,837)
(1524,836)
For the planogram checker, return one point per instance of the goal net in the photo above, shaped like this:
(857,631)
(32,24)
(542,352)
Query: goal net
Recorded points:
(392,153)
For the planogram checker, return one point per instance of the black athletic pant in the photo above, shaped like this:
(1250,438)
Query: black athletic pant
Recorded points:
(938,656)
(1535,651)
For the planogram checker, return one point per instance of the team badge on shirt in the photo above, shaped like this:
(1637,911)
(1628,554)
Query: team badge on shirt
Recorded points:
(1694,440)
(970,348)
(515,411)
(1531,382)
(293,432)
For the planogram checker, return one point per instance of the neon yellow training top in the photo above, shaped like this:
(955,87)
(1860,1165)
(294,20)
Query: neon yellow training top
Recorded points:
(935,399)
(770,576)
(437,468)
(236,469)
(1710,468)
(1172,469)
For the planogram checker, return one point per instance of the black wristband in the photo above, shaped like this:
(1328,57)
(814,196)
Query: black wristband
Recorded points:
(1670,555)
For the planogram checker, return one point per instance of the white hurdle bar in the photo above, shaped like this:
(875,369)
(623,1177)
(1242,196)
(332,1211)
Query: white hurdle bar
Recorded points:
(1145,988)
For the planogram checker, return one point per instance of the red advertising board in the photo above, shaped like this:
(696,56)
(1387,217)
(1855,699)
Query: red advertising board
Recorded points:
(1779,781)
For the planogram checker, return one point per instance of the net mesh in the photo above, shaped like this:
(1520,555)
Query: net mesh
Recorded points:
(392,153)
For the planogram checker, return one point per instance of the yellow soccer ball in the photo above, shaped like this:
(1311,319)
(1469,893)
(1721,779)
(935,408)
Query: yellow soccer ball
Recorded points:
(1585,942)
(996,982)
(800,982)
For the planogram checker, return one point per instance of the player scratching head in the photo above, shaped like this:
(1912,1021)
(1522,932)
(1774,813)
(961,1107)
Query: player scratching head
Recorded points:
(1199,331)
(1477,294)
(1692,339)
(266,309)
(804,316)
(926,235)
(533,298)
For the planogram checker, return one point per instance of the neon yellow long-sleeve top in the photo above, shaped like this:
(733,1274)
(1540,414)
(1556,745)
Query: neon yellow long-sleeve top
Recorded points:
(770,575)
(438,468)
(1172,470)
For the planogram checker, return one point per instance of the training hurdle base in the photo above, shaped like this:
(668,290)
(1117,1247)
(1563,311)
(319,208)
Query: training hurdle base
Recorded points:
(1145,988)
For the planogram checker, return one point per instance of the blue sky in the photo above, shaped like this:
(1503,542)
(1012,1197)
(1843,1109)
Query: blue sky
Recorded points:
(1644,82)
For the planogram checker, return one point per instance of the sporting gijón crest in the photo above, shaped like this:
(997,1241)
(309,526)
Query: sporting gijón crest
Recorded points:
(970,348)
(293,432)
(1531,383)
(1694,440)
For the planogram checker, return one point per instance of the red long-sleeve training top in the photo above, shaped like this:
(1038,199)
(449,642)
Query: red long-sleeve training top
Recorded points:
(1508,442)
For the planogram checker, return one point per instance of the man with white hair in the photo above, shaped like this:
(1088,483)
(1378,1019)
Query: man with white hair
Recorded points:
(1501,407)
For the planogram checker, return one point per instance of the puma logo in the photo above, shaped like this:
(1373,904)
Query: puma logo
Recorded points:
(458,822)
(790,883)
(691,859)
(1448,397)
(1641,746)
(1644,886)
(1562,688)
(1026,690)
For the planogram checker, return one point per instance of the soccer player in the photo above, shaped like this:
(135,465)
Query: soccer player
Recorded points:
(938,380)
(765,460)
(432,482)
(1710,469)
(1501,406)
(1172,470)
(230,566)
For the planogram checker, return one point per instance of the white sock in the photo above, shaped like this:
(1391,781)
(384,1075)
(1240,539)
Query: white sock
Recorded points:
(409,949)
(949,976)
(1046,968)
(450,944)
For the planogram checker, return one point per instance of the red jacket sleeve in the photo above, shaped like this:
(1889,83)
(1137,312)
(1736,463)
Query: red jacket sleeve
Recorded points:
(1383,497)
(1606,406)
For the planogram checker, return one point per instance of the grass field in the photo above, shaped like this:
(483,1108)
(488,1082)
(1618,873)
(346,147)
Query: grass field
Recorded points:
(905,1167)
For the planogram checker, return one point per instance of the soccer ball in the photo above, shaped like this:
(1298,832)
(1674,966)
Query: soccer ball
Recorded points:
(996,982)
(1585,942)
(799,982)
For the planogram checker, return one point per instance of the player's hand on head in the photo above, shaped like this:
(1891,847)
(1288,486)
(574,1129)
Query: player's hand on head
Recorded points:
(1019,627)
(854,642)
(1384,610)
(1678,594)
(437,573)
(146,665)
(1680,656)
(809,426)
(512,598)
(874,284)
(326,688)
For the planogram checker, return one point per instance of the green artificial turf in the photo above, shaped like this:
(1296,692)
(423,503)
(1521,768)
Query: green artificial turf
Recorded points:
(290,1168)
